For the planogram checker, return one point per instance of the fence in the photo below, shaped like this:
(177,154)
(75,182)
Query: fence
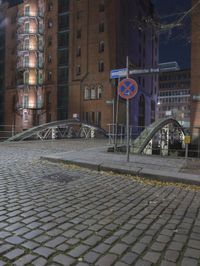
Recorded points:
(169,140)
(7,131)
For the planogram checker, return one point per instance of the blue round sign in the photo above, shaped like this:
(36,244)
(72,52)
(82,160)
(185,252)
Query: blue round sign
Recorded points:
(127,88)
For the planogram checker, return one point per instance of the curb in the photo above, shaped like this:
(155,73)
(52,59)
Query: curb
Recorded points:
(163,176)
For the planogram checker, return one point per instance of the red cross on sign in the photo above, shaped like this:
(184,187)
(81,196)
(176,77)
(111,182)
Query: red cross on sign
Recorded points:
(127,88)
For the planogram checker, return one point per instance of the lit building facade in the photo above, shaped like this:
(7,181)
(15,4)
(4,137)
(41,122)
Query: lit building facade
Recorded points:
(195,73)
(174,96)
(59,55)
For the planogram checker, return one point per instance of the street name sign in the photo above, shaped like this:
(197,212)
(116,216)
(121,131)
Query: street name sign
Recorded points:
(118,73)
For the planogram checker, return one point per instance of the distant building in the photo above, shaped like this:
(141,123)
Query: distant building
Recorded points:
(169,66)
(59,54)
(174,96)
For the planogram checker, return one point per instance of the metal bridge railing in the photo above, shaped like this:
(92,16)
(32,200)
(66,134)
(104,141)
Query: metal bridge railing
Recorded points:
(169,140)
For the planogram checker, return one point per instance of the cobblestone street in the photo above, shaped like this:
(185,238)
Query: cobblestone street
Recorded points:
(53,214)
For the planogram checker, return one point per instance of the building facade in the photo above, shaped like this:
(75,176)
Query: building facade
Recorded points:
(174,96)
(59,55)
(195,73)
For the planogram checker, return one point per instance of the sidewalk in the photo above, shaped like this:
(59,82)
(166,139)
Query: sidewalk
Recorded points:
(154,167)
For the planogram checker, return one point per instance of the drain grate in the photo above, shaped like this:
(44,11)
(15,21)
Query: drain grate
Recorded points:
(61,177)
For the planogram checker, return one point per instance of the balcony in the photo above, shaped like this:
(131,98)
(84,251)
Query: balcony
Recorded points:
(31,106)
(30,15)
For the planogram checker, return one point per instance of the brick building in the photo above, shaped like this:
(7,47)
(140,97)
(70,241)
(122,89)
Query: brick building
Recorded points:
(195,72)
(59,55)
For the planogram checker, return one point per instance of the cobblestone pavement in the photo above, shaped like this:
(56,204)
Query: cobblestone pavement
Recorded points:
(52,214)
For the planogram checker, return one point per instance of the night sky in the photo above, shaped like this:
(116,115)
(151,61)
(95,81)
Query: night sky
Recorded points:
(174,43)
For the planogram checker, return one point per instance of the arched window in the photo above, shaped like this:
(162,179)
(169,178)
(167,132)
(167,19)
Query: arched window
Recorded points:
(101,66)
(101,46)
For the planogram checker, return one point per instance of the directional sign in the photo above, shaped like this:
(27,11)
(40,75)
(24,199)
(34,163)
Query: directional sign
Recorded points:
(127,88)
(118,73)
(144,71)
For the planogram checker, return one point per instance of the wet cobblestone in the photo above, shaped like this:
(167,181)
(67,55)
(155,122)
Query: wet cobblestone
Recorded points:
(91,218)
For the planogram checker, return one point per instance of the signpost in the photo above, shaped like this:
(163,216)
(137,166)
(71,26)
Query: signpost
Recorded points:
(127,89)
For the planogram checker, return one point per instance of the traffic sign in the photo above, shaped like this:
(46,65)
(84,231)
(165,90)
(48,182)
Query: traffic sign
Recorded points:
(127,88)
(118,73)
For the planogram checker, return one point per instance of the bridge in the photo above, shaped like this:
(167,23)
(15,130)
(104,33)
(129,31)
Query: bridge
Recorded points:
(72,128)
(141,142)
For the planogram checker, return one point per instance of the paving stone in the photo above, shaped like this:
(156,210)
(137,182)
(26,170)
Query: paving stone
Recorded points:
(139,248)
(167,263)
(192,253)
(157,246)
(43,251)
(26,259)
(4,248)
(64,260)
(15,240)
(194,244)
(129,258)
(152,256)
(118,248)
(92,240)
(39,262)
(106,260)
(171,255)
(14,254)
(91,256)
(30,245)
(189,262)
(102,248)
(63,247)
(55,242)
(78,251)
(33,234)
(141,262)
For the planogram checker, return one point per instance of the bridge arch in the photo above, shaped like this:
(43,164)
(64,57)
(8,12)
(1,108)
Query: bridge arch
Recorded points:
(71,128)
(148,133)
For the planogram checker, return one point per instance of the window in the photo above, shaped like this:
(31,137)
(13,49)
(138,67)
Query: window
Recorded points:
(87,93)
(49,41)
(101,7)
(99,92)
(49,76)
(25,101)
(78,70)
(101,66)
(49,59)
(63,22)
(78,51)
(26,27)
(98,118)
(26,61)
(101,27)
(27,10)
(78,15)
(93,93)
(26,44)
(50,6)
(40,77)
(101,46)
(78,34)
(50,23)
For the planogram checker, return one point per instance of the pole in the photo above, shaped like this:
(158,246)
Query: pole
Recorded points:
(186,151)
(116,118)
(127,119)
